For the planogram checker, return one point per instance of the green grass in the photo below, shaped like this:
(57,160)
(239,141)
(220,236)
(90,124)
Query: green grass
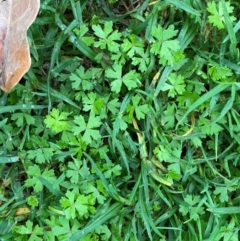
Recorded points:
(127,125)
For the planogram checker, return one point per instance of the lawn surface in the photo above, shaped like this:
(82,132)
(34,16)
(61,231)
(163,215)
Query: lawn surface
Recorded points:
(127,125)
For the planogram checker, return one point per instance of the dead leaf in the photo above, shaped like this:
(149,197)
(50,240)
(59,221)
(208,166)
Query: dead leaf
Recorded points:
(16,16)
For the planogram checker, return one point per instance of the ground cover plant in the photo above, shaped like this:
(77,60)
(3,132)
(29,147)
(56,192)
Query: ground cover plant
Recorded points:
(126,127)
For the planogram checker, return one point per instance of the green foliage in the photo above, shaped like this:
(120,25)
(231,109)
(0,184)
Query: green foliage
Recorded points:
(131,79)
(164,46)
(32,201)
(20,118)
(28,232)
(83,29)
(228,232)
(108,39)
(84,205)
(176,85)
(88,129)
(56,121)
(126,127)
(62,227)
(217,13)
(140,110)
(220,73)
(34,172)
(193,207)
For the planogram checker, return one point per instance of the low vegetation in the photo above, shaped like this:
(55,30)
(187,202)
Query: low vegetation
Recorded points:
(127,125)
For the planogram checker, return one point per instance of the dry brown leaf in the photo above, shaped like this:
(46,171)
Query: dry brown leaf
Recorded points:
(16,16)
